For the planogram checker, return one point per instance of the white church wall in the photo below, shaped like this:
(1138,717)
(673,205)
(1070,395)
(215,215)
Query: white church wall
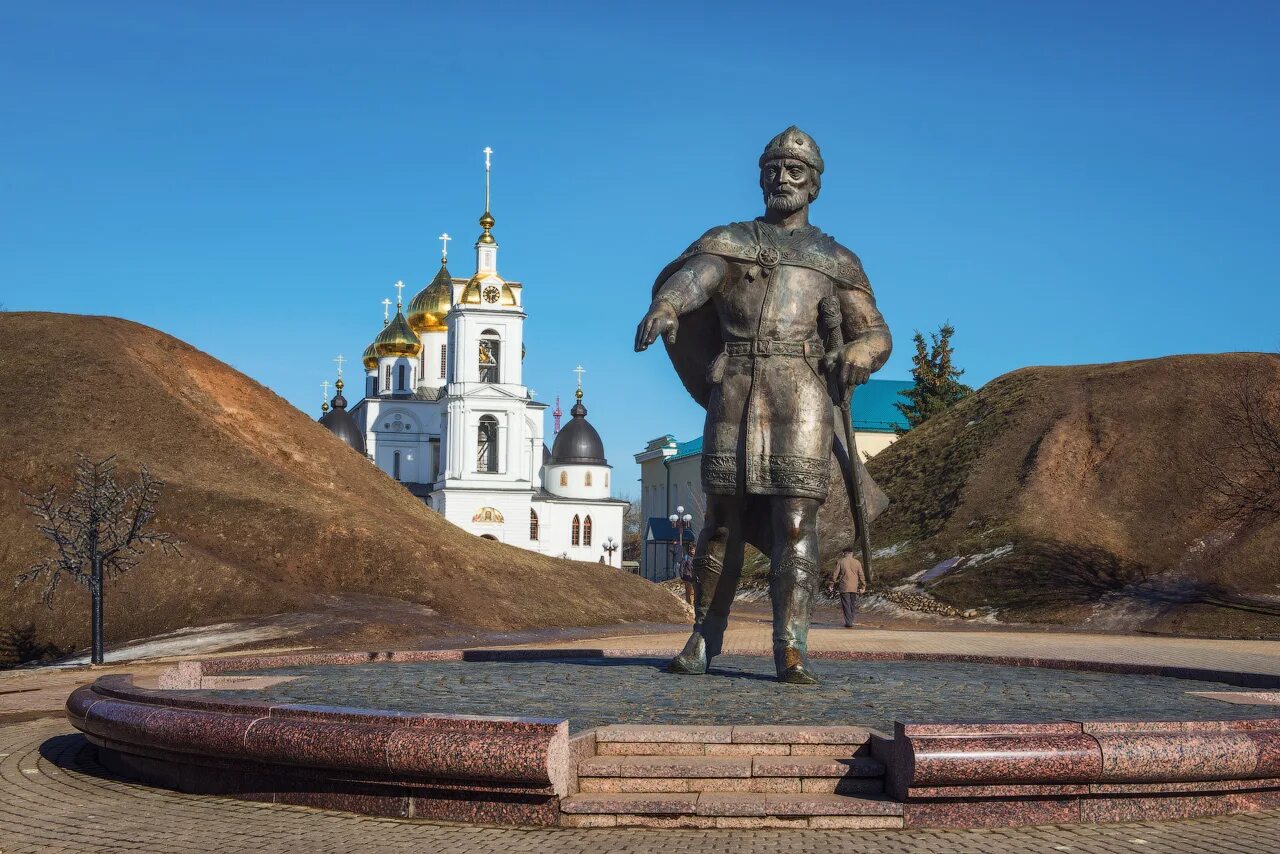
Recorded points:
(462,507)
(556,528)
(576,480)
(432,368)
(468,325)
(391,370)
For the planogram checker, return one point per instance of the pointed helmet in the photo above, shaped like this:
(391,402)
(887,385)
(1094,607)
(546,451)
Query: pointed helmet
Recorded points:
(795,144)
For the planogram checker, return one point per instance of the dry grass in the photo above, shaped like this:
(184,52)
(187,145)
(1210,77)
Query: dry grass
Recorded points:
(1095,474)
(272,511)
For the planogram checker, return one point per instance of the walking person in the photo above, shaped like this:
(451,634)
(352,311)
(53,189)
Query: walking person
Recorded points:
(850,580)
(686,573)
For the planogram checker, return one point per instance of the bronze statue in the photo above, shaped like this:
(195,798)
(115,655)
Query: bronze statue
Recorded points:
(741,313)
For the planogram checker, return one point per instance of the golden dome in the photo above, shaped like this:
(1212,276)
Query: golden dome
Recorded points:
(397,339)
(370,358)
(427,310)
(477,292)
(486,222)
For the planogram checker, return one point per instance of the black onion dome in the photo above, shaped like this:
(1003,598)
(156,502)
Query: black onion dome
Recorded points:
(578,441)
(340,423)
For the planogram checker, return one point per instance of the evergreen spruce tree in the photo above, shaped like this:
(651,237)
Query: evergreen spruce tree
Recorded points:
(937,384)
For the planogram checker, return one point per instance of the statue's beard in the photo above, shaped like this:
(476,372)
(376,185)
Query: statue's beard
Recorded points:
(784,202)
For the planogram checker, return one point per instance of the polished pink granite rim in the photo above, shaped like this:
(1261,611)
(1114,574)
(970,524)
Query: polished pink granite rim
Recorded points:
(516,770)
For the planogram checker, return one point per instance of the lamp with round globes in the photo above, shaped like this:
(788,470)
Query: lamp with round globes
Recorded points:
(680,521)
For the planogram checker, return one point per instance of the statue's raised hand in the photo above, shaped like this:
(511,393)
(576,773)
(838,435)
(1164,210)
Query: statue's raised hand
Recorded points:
(661,320)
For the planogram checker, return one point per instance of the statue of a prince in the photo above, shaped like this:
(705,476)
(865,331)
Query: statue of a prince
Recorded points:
(741,312)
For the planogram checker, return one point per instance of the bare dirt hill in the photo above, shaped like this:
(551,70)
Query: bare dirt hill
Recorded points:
(1078,495)
(274,513)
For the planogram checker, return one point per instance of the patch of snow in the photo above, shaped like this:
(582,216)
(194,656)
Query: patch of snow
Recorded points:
(983,557)
(186,642)
(751,594)
(890,551)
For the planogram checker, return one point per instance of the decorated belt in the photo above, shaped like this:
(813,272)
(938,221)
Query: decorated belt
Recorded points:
(770,347)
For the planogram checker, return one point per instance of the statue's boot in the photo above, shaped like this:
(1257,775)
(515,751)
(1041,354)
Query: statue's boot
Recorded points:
(711,617)
(792,589)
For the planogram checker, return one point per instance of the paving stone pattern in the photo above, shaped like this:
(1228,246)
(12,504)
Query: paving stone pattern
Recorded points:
(55,797)
(741,689)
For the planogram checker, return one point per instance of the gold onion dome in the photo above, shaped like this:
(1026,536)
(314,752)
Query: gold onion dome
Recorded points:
(427,310)
(397,339)
(486,222)
(370,357)
(495,293)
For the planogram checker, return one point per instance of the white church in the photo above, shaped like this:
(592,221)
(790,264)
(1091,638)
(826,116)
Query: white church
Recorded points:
(446,412)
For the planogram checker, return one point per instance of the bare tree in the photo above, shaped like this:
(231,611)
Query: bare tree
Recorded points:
(1244,471)
(99,533)
(632,529)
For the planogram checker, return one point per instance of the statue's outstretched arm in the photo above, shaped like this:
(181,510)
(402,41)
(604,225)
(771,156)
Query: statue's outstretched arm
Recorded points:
(684,290)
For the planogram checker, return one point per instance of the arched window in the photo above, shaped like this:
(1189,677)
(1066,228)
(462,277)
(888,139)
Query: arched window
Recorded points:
(586,479)
(576,539)
(564,478)
(490,355)
(606,480)
(487,444)
(399,377)
(586,531)
(395,466)
(422,362)
(533,524)
(386,382)
(444,358)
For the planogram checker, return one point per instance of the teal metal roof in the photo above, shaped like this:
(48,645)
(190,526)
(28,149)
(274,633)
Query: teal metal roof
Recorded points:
(873,405)
(873,411)
(693,447)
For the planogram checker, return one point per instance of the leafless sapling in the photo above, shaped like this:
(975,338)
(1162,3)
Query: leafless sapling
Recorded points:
(99,533)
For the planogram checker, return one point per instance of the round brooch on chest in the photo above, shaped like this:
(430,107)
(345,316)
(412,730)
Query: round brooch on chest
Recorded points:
(768,257)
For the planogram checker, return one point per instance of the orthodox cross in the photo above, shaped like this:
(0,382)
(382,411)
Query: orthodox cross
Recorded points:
(444,247)
(386,312)
(399,295)
(579,371)
(325,385)
(340,360)
(487,152)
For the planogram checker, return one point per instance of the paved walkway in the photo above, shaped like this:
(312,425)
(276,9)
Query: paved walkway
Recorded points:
(752,637)
(54,797)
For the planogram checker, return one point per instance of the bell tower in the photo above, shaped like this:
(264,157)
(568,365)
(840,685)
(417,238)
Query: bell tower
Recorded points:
(490,437)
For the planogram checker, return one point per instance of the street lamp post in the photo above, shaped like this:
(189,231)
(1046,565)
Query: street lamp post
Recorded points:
(680,520)
(609,548)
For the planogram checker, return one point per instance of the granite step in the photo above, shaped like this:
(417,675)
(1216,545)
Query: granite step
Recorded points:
(731,809)
(730,774)
(639,739)
(730,766)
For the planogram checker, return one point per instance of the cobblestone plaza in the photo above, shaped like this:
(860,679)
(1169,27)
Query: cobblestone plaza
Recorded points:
(741,690)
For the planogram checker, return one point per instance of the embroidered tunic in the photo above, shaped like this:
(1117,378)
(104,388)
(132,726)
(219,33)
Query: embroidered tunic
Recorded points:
(769,425)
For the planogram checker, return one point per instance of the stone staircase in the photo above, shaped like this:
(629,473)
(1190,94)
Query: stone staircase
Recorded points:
(728,776)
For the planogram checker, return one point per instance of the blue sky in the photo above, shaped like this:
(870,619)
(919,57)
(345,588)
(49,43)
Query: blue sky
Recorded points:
(1066,183)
